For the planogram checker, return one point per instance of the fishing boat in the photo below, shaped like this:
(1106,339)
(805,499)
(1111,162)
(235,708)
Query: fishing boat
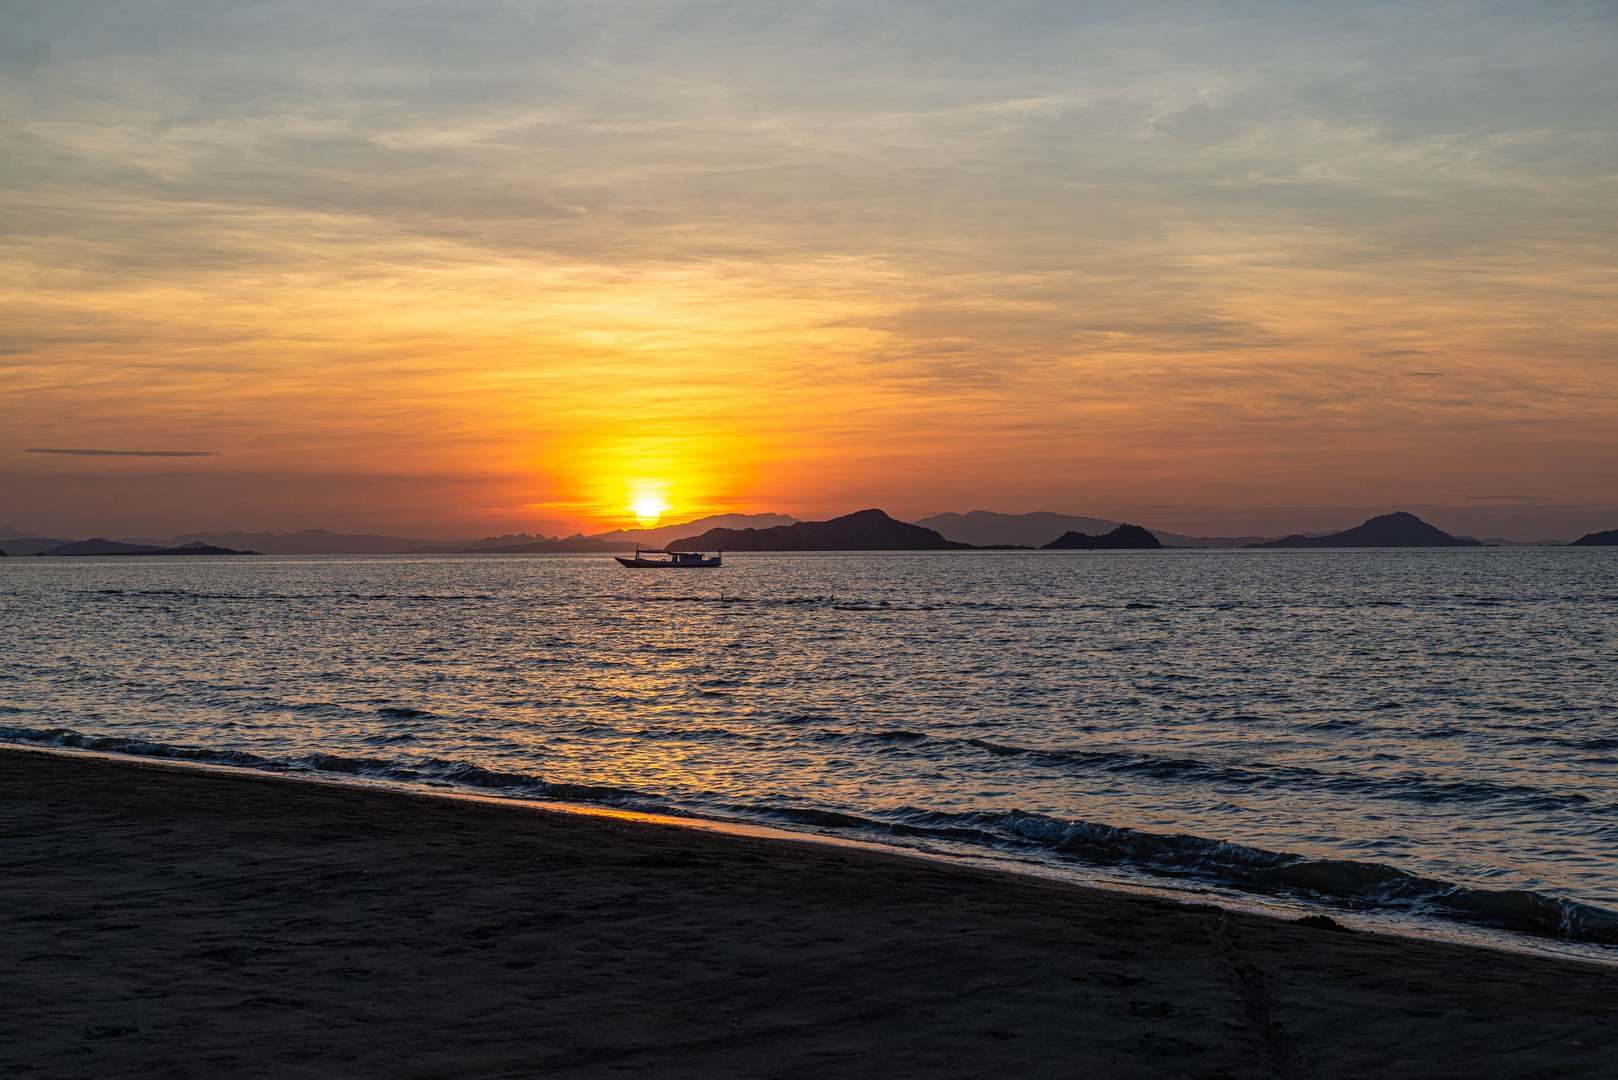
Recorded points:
(675,558)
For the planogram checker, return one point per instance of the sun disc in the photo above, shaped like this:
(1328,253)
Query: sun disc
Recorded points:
(647,511)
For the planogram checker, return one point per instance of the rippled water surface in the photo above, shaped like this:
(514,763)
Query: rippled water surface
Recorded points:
(1421,734)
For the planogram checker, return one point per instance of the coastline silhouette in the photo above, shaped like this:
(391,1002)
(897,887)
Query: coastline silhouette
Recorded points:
(865,530)
(1398,529)
(979,529)
(101,546)
(1123,538)
(1597,539)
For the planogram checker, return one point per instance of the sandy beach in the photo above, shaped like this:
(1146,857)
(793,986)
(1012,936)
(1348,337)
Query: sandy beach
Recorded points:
(171,922)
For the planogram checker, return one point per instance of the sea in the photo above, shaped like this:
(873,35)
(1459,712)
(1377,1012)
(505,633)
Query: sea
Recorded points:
(1412,741)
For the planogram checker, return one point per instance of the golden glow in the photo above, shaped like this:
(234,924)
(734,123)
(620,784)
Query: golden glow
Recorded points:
(678,467)
(1159,293)
(804,392)
(648,511)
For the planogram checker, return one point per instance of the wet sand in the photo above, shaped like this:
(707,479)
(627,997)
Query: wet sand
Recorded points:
(160,921)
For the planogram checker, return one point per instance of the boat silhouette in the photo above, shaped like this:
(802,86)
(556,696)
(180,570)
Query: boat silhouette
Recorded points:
(675,559)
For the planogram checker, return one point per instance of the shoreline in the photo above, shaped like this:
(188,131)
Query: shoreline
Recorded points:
(204,920)
(1387,924)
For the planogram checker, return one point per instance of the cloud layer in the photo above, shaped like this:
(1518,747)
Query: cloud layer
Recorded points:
(935,256)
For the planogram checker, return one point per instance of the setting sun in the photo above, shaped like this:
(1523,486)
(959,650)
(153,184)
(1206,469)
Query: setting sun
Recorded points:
(647,511)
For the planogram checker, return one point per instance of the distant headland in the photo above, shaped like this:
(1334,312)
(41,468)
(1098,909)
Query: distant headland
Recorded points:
(99,546)
(874,530)
(867,530)
(1123,538)
(1597,539)
(1389,530)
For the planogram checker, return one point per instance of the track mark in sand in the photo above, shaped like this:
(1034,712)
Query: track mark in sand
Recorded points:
(1281,1057)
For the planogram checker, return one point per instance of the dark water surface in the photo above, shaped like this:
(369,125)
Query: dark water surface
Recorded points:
(1426,737)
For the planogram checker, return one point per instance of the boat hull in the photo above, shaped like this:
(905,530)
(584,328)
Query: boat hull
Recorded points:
(665,564)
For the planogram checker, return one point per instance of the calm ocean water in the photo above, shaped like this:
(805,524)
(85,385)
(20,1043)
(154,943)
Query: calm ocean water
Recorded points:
(1427,738)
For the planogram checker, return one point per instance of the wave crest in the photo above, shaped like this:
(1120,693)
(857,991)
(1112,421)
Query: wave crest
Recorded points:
(1339,882)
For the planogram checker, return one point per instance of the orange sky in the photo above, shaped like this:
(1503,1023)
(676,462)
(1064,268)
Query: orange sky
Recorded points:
(485,268)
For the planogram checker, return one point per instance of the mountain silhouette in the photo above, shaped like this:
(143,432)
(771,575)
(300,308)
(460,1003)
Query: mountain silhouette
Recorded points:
(1390,530)
(101,546)
(1123,538)
(984,528)
(306,542)
(867,530)
(1600,539)
(32,545)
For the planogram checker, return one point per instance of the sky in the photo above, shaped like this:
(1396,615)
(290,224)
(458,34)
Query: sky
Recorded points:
(470,267)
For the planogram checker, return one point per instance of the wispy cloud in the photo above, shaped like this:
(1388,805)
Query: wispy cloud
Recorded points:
(1148,248)
(124,453)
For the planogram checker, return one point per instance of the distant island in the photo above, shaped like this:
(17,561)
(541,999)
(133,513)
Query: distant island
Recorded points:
(1123,538)
(979,529)
(1597,539)
(1390,530)
(867,530)
(986,529)
(99,546)
(30,545)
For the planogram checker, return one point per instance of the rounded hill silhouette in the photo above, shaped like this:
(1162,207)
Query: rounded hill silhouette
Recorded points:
(867,530)
(1597,539)
(1390,530)
(1123,538)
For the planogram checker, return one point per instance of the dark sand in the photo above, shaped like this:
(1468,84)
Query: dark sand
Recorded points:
(160,921)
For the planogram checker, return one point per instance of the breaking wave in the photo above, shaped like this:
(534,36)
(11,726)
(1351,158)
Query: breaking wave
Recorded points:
(1343,883)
